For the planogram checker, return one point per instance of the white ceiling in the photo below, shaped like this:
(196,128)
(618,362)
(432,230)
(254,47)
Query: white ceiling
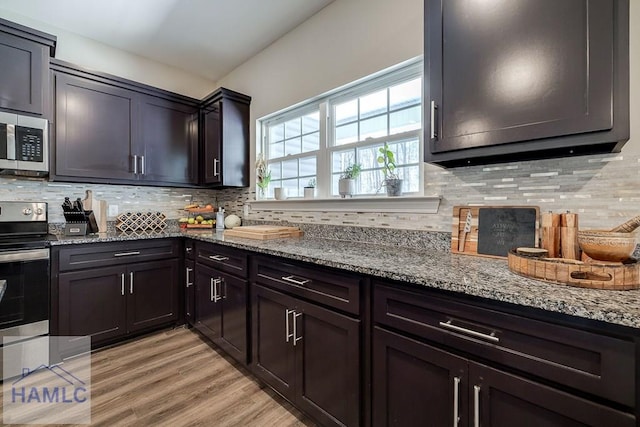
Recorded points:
(208,38)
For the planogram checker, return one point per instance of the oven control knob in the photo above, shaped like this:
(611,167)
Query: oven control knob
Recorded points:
(27,211)
(39,211)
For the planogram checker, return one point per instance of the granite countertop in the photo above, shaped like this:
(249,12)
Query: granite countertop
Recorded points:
(477,276)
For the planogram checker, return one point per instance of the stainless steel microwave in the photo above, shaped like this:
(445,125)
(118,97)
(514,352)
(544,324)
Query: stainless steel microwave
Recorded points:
(24,145)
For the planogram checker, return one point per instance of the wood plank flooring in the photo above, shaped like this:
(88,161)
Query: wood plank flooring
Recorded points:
(173,378)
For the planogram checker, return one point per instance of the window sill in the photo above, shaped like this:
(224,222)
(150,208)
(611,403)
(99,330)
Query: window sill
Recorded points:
(408,204)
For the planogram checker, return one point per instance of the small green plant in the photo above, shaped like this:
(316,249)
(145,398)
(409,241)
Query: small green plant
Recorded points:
(352,171)
(388,161)
(311,183)
(263,174)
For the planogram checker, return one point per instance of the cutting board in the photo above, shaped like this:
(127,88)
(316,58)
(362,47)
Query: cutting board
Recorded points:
(263,232)
(494,229)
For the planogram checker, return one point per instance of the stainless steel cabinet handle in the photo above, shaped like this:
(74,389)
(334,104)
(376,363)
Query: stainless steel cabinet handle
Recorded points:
(131,282)
(291,279)
(215,167)
(218,257)
(189,283)
(216,289)
(288,334)
(453,327)
(212,295)
(456,398)
(142,165)
(126,253)
(189,250)
(296,338)
(135,164)
(476,406)
(434,107)
(122,283)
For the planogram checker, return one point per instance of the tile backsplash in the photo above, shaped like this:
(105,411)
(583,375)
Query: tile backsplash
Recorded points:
(603,189)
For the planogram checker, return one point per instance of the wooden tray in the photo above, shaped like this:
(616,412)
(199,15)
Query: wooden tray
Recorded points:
(263,232)
(594,275)
(200,226)
(514,234)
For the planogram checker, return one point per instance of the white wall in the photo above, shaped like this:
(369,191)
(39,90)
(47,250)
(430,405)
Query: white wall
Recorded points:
(100,57)
(345,41)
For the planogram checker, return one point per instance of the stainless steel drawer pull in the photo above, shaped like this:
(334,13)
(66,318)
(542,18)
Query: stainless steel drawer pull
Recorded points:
(189,270)
(131,283)
(434,133)
(476,406)
(126,253)
(142,165)
(216,289)
(215,167)
(135,164)
(122,283)
(456,398)
(291,279)
(490,337)
(212,292)
(296,338)
(288,334)
(218,257)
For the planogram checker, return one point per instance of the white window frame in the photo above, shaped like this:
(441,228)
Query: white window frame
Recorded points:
(395,75)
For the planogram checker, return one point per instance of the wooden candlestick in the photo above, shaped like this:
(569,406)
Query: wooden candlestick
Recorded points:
(550,224)
(569,247)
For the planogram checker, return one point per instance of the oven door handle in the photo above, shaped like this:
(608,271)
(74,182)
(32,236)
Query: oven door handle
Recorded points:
(25,255)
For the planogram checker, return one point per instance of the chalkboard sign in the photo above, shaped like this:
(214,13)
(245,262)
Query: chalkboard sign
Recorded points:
(502,229)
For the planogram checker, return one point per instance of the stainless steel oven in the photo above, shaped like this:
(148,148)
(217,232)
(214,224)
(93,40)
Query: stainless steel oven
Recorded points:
(24,274)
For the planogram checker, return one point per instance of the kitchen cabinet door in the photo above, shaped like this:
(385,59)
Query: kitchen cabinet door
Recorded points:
(327,346)
(189,292)
(272,346)
(504,400)
(93,303)
(93,130)
(168,141)
(537,78)
(152,294)
(23,73)
(415,384)
(225,142)
(207,296)
(233,317)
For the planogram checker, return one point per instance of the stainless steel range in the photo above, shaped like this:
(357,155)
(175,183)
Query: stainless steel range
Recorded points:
(24,271)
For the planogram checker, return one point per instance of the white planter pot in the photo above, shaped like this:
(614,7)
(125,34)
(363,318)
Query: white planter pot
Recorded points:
(346,187)
(309,192)
(280,193)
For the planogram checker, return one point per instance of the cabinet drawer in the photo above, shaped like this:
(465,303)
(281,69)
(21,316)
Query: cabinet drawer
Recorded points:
(585,361)
(223,258)
(328,287)
(93,255)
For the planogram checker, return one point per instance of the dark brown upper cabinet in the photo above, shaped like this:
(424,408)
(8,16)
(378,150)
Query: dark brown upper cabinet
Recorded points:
(525,80)
(24,63)
(111,130)
(224,150)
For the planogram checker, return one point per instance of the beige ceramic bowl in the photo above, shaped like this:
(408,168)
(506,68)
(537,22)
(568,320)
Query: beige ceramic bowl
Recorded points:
(605,245)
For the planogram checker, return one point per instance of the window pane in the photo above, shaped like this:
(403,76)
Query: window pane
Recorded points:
(346,134)
(307,166)
(290,168)
(342,159)
(311,122)
(292,128)
(276,150)
(292,146)
(291,187)
(373,104)
(311,142)
(406,151)
(275,171)
(346,112)
(368,157)
(406,120)
(373,128)
(411,178)
(405,94)
(276,133)
(334,184)
(370,181)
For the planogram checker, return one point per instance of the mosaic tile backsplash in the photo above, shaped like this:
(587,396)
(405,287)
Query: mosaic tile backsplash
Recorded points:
(603,189)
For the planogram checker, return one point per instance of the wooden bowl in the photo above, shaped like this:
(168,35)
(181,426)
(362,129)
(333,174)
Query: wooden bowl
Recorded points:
(605,245)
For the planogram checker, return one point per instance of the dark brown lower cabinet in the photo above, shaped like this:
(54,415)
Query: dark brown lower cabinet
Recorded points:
(221,310)
(189,292)
(110,302)
(309,354)
(415,384)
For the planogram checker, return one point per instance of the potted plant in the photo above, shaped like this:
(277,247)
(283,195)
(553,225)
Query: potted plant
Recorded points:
(310,189)
(347,181)
(392,181)
(263,175)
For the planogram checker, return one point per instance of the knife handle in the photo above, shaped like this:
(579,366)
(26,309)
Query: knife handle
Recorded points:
(462,240)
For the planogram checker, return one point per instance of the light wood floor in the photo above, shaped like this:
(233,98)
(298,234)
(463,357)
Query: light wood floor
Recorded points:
(172,378)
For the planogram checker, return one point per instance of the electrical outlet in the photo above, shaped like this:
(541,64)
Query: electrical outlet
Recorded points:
(246,211)
(113,210)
